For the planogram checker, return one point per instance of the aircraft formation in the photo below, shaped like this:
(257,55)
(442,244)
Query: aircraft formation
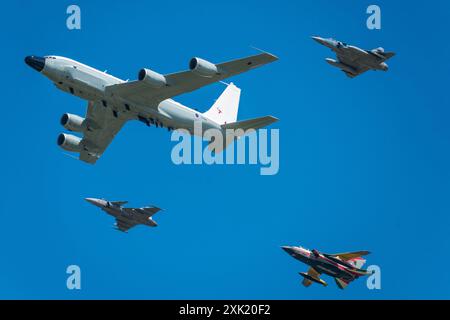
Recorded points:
(111,102)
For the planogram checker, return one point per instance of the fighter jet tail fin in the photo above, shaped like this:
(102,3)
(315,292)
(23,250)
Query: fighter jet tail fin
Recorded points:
(225,109)
(341,283)
(357,262)
(389,54)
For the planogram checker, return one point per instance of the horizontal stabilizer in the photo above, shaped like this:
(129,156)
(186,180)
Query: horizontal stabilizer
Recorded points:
(244,125)
(255,123)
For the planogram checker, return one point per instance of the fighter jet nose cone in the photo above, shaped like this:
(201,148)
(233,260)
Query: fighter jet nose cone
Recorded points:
(37,63)
(286,248)
(91,200)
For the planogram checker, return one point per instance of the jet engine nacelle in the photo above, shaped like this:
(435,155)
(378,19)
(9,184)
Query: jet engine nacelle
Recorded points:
(72,122)
(203,68)
(69,142)
(153,78)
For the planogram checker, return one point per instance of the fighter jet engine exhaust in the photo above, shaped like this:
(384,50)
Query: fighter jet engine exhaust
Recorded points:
(72,122)
(69,142)
(203,68)
(153,78)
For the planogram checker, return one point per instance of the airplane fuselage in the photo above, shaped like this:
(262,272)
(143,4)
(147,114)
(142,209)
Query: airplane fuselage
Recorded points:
(351,59)
(370,60)
(89,84)
(118,212)
(326,265)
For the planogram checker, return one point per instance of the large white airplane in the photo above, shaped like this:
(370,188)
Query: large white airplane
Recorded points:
(112,101)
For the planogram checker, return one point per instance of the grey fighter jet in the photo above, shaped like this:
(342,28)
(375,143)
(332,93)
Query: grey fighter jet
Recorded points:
(343,267)
(354,61)
(126,218)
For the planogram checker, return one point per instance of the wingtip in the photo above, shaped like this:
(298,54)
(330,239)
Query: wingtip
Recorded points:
(270,55)
(275,119)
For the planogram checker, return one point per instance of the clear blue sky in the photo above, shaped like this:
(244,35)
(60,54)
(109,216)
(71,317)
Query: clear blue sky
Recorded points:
(364,162)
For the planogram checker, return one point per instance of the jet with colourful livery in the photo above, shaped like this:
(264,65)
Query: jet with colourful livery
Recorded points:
(343,267)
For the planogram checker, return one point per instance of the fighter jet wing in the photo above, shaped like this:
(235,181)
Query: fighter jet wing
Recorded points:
(119,203)
(350,255)
(313,273)
(141,92)
(352,60)
(102,126)
(124,224)
(358,72)
(148,211)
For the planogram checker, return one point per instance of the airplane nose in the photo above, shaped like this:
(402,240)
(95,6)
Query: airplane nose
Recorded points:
(318,39)
(287,249)
(92,200)
(37,63)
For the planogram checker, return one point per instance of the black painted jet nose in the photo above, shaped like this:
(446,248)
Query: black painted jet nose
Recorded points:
(37,63)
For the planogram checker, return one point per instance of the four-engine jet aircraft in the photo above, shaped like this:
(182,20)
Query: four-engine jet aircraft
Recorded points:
(112,101)
(126,218)
(353,60)
(343,267)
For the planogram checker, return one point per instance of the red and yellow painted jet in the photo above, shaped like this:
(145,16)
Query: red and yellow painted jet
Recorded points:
(343,267)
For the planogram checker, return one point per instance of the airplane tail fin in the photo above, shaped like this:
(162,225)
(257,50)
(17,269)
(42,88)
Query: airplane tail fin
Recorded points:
(357,262)
(389,54)
(341,283)
(225,109)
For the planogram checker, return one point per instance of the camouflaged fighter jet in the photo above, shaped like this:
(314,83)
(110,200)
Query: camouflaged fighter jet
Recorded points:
(126,218)
(343,267)
(112,102)
(354,61)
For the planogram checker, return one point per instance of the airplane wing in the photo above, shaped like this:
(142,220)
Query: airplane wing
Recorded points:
(149,211)
(119,203)
(358,72)
(141,92)
(124,224)
(102,127)
(352,60)
(350,255)
(313,273)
